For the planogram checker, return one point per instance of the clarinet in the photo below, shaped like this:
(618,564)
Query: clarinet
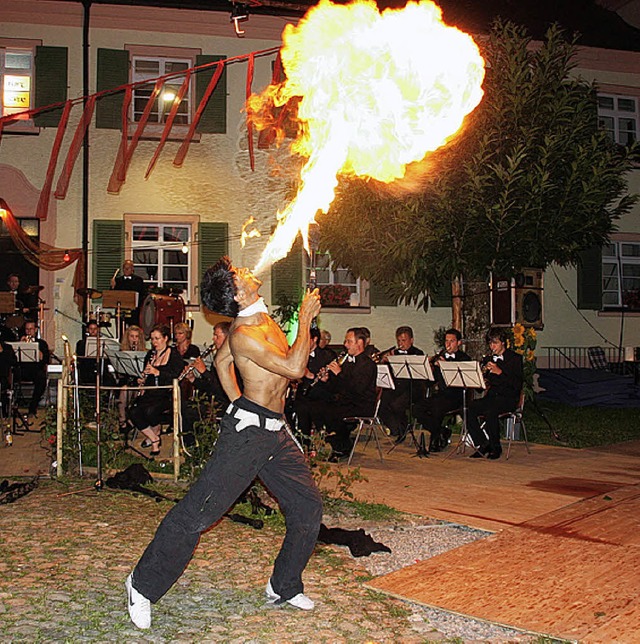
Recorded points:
(321,372)
(191,368)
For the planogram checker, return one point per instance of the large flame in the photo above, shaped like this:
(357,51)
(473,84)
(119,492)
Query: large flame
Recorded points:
(376,91)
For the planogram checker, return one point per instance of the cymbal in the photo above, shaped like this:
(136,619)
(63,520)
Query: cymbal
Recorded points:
(32,290)
(91,293)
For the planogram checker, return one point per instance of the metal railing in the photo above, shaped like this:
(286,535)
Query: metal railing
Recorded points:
(575,357)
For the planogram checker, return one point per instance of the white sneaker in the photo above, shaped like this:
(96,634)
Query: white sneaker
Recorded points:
(139,606)
(272,595)
(299,601)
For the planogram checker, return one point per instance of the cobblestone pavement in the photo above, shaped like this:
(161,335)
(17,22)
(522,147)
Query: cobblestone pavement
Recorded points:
(65,557)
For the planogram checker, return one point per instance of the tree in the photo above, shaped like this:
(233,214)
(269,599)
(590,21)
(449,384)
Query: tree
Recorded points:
(529,181)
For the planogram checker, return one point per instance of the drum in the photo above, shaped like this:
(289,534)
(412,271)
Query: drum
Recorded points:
(14,322)
(161,309)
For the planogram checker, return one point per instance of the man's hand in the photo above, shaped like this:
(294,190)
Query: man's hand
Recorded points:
(112,282)
(199,365)
(334,368)
(310,306)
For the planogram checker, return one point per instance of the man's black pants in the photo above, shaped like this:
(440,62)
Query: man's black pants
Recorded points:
(490,407)
(239,457)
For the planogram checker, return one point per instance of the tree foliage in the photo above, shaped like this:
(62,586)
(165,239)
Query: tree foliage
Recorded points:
(530,180)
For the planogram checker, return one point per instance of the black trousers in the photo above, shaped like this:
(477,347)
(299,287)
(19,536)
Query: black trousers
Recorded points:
(490,407)
(150,409)
(239,457)
(36,373)
(393,410)
(431,412)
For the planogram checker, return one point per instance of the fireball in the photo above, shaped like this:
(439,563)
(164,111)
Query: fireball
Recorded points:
(375,92)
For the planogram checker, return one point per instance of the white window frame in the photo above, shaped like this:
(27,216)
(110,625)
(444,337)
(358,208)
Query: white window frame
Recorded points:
(10,45)
(335,275)
(153,130)
(618,257)
(165,221)
(622,125)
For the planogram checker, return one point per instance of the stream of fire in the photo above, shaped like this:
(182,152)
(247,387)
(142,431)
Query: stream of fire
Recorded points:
(376,91)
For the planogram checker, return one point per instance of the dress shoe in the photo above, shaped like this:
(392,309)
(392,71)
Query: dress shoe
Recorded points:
(494,455)
(477,455)
(434,446)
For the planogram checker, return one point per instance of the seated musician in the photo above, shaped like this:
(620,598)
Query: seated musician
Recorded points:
(92,332)
(161,365)
(431,411)
(503,375)
(129,281)
(325,341)
(132,340)
(395,403)
(206,382)
(35,372)
(7,363)
(25,301)
(354,384)
(370,349)
(182,333)
(311,390)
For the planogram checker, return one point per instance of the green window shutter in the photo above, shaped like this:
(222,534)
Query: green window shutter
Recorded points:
(112,71)
(107,251)
(379,297)
(50,83)
(213,243)
(590,279)
(286,275)
(441,297)
(214,116)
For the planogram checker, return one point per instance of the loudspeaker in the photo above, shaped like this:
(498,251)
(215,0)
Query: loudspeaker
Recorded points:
(517,299)
(529,298)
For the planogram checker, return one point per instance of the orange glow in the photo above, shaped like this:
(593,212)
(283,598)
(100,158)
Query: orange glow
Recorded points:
(376,92)
(254,232)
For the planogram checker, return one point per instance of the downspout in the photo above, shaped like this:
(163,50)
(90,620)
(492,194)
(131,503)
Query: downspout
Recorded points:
(85,147)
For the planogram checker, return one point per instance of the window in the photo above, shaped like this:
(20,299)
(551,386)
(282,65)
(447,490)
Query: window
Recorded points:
(339,287)
(143,68)
(158,254)
(621,275)
(618,116)
(17,80)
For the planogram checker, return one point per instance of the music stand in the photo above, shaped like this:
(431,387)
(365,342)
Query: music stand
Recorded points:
(468,375)
(414,368)
(128,363)
(7,303)
(120,301)
(26,353)
(373,423)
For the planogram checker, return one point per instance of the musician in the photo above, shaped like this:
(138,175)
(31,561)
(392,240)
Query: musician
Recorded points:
(93,331)
(370,349)
(503,375)
(161,365)
(206,382)
(35,372)
(25,301)
(182,334)
(132,340)
(8,361)
(325,341)
(354,385)
(311,390)
(431,412)
(395,403)
(253,441)
(129,281)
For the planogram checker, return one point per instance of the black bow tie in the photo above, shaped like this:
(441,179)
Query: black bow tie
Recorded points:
(449,355)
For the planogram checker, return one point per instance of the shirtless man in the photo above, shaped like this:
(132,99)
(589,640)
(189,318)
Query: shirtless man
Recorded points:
(253,441)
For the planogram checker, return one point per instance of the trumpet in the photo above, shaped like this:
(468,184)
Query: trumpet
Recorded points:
(380,355)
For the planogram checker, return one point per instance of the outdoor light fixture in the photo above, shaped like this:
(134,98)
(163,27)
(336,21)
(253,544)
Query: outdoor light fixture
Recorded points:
(185,248)
(239,13)
(66,257)
(168,96)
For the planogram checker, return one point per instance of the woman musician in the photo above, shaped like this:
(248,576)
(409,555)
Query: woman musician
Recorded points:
(161,365)
(132,340)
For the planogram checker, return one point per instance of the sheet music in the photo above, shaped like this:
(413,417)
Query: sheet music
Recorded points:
(384,379)
(413,367)
(108,346)
(465,373)
(128,363)
(26,351)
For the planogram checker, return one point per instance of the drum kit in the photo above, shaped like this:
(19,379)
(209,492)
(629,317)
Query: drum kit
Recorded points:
(166,307)
(13,316)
